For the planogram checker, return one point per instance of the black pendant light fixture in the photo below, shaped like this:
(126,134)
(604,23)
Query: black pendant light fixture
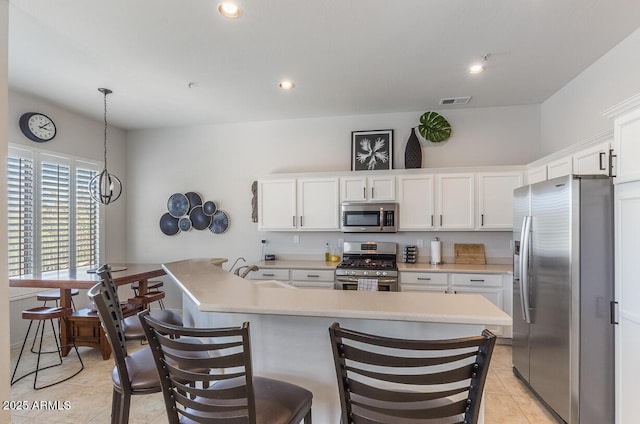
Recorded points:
(105,187)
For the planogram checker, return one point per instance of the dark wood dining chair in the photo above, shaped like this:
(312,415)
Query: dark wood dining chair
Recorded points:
(385,380)
(227,392)
(131,325)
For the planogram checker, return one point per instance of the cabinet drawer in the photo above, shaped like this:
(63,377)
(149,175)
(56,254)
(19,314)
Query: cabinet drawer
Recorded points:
(270,274)
(423,288)
(312,275)
(328,285)
(476,280)
(423,278)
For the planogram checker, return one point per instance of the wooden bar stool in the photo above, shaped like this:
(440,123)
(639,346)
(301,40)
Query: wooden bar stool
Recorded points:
(51,296)
(152,286)
(43,314)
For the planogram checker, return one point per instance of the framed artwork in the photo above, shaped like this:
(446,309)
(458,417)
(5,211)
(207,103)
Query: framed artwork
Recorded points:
(371,150)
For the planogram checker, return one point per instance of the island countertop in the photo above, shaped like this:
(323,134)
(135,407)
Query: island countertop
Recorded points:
(213,289)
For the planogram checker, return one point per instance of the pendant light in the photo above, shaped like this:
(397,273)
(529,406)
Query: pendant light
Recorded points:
(105,187)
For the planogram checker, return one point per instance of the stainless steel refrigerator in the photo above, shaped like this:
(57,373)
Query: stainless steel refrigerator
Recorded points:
(563,295)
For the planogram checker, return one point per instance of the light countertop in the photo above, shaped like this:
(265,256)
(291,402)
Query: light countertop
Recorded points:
(216,290)
(418,267)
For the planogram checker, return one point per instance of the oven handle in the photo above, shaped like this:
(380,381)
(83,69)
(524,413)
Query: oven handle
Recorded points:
(355,280)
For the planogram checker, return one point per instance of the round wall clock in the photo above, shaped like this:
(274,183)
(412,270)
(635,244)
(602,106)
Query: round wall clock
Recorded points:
(37,127)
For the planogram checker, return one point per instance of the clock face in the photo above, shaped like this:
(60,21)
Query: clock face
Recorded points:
(37,127)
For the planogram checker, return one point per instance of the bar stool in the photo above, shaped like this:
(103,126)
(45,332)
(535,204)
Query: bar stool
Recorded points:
(51,296)
(152,286)
(43,314)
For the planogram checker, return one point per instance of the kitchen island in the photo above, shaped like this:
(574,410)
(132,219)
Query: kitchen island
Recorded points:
(289,326)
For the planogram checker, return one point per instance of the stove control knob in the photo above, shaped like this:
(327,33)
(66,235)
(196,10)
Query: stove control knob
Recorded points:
(365,273)
(378,273)
(384,274)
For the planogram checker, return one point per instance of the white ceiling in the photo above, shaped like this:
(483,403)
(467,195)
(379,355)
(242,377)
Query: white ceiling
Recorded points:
(346,57)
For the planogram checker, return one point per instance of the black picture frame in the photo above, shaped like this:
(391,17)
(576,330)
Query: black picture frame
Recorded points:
(371,150)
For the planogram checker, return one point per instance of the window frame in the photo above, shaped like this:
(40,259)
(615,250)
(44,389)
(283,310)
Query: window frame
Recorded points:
(39,156)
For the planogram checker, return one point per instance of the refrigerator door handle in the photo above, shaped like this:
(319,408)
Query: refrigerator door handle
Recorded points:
(524,268)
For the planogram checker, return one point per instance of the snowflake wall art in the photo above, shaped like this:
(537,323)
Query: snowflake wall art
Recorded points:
(371,150)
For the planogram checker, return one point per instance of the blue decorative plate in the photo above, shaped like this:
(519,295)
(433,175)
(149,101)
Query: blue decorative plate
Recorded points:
(184,223)
(199,219)
(178,205)
(169,224)
(194,199)
(220,222)
(209,207)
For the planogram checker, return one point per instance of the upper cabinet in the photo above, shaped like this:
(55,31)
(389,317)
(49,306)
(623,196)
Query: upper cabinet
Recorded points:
(495,199)
(593,160)
(416,202)
(368,188)
(454,201)
(302,204)
(560,167)
(537,174)
(626,144)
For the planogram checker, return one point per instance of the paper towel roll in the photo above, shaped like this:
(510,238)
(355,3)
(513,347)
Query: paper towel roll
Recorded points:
(436,252)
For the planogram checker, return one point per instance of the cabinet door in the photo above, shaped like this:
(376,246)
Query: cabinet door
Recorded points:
(495,199)
(415,198)
(492,294)
(560,168)
(382,188)
(626,145)
(594,160)
(270,274)
(353,189)
(277,205)
(423,288)
(455,204)
(537,174)
(318,207)
(627,294)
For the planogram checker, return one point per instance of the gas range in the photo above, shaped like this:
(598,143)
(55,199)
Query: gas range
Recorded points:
(371,260)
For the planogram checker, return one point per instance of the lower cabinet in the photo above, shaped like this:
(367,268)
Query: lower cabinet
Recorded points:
(495,287)
(301,278)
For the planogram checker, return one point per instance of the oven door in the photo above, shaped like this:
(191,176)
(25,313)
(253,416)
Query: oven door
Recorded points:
(351,283)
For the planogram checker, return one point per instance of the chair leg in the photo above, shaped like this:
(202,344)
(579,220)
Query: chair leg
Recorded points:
(124,408)
(60,357)
(307,418)
(20,355)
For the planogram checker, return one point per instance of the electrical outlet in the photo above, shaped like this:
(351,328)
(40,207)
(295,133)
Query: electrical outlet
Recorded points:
(420,243)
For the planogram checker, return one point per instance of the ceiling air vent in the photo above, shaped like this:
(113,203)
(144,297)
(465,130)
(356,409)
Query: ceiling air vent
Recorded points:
(455,100)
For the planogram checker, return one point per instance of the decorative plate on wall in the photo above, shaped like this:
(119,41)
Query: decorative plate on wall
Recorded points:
(169,224)
(199,219)
(209,207)
(188,211)
(194,199)
(184,223)
(220,223)
(178,205)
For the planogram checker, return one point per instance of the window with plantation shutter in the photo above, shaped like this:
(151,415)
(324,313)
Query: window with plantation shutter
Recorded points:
(53,223)
(55,215)
(87,220)
(20,175)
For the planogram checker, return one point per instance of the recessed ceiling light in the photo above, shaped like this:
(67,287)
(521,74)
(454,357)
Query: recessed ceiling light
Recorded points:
(476,69)
(286,85)
(229,10)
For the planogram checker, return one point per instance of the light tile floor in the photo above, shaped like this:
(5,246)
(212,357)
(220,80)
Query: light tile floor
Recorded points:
(88,395)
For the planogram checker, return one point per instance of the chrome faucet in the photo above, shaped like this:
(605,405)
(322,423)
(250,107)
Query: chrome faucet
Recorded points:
(234,264)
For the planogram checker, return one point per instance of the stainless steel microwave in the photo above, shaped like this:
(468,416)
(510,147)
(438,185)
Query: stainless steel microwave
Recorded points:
(369,217)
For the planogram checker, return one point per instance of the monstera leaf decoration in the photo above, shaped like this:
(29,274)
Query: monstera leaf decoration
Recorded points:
(434,127)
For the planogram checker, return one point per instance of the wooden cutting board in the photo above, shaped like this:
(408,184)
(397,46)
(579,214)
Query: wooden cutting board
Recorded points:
(469,254)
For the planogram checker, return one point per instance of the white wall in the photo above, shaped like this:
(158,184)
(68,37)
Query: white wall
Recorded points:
(573,113)
(5,393)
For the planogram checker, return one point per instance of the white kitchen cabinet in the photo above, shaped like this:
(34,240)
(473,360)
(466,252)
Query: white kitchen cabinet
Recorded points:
(270,274)
(375,188)
(560,167)
(537,174)
(455,201)
(626,145)
(424,282)
(416,202)
(495,199)
(305,204)
(318,204)
(592,160)
(277,205)
(313,279)
(492,294)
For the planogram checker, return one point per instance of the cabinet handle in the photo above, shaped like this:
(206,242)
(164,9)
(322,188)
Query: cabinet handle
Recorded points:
(455,292)
(600,164)
(313,275)
(477,281)
(364,193)
(482,220)
(301,222)
(441,220)
(268,275)
(611,156)
(372,195)
(432,220)
(424,278)
(294,221)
